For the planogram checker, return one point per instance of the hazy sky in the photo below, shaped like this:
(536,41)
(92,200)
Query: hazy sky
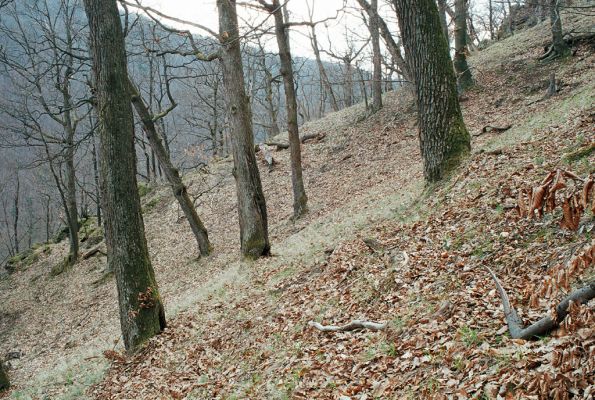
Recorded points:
(331,35)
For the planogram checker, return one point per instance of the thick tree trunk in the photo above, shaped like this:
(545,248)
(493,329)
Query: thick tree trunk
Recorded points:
(141,311)
(300,200)
(443,136)
(377,59)
(464,77)
(4,381)
(559,46)
(173,176)
(254,235)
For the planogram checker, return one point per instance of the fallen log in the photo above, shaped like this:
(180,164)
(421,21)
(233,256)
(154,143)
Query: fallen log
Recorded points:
(353,325)
(303,139)
(548,323)
(92,252)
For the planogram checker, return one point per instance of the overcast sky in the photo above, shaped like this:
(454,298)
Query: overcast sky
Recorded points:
(331,35)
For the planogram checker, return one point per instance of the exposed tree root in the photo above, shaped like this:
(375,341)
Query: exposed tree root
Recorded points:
(547,323)
(353,325)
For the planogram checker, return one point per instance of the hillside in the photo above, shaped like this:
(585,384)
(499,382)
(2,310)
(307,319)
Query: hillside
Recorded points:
(375,246)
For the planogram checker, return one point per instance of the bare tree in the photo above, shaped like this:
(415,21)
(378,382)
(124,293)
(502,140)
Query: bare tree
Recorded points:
(443,136)
(376,57)
(179,190)
(300,200)
(141,311)
(559,48)
(251,202)
(45,66)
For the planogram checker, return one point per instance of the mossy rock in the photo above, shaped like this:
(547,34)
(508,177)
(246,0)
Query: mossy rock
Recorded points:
(61,235)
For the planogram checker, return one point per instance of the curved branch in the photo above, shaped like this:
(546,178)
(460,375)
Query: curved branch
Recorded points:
(547,323)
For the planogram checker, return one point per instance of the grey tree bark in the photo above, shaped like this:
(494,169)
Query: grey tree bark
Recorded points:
(464,76)
(442,12)
(559,46)
(254,235)
(444,139)
(377,58)
(173,176)
(141,310)
(300,200)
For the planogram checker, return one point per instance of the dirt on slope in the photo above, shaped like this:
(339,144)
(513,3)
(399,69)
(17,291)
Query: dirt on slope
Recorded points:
(374,246)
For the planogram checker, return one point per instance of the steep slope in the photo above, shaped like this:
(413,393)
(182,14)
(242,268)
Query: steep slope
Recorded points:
(374,246)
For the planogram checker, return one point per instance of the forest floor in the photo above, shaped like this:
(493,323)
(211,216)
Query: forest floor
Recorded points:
(375,245)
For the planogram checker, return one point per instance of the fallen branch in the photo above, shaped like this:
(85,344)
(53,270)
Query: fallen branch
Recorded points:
(547,323)
(490,128)
(353,325)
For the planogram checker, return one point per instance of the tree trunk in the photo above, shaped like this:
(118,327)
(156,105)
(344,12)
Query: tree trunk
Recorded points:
(322,70)
(15,225)
(300,200)
(348,83)
(559,46)
(96,182)
(173,176)
(443,136)
(4,381)
(72,213)
(491,18)
(442,12)
(377,60)
(141,311)
(464,77)
(254,235)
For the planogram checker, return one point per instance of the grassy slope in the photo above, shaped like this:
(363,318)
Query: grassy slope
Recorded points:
(240,329)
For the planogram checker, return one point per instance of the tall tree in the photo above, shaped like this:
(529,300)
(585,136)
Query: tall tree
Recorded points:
(376,58)
(254,235)
(464,76)
(559,47)
(141,311)
(443,136)
(300,200)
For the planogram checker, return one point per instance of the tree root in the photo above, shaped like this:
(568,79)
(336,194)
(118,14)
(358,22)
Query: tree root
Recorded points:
(547,323)
(353,325)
